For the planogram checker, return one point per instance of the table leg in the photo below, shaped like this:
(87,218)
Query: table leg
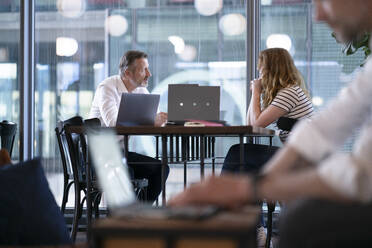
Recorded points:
(157,147)
(185,154)
(164,165)
(241,139)
(177,148)
(126,144)
(197,144)
(213,154)
(202,156)
(171,149)
(192,147)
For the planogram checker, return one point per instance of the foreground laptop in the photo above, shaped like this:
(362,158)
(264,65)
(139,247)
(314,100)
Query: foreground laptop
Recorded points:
(193,102)
(137,109)
(113,176)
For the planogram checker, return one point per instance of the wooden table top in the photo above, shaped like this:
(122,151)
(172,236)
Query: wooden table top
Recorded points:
(228,220)
(181,130)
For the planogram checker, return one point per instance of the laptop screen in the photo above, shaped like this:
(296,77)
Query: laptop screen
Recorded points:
(193,102)
(137,109)
(111,168)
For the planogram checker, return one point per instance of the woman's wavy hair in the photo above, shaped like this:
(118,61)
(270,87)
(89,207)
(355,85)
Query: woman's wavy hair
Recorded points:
(278,71)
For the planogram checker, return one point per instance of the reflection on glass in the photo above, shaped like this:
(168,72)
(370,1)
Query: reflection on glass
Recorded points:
(208,7)
(178,43)
(315,52)
(9,66)
(279,41)
(116,25)
(71,8)
(65,81)
(66,46)
(233,24)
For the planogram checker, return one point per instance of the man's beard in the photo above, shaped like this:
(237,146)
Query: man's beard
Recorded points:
(144,83)
(349,34)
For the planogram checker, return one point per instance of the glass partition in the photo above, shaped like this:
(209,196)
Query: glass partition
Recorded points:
(289,24)
(9,65)
(79,43)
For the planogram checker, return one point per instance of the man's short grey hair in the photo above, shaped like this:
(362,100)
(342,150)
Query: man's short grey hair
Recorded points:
(128,59)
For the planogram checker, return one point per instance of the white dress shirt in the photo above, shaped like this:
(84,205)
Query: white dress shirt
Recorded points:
(107,98)
(318,140)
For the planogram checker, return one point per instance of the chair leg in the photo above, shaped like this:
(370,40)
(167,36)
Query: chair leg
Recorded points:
(75,221)
(66,190)
(270,210)
(64,198)
(97,200)
(82,206)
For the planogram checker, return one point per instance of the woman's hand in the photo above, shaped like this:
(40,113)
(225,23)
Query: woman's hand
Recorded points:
(256,85)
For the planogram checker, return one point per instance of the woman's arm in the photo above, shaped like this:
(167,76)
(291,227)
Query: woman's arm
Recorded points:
(255,116)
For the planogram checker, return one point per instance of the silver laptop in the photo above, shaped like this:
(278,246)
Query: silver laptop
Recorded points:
(193,102)
(137,109)
(113,177)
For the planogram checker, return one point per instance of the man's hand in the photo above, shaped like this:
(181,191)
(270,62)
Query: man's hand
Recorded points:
(160,119)
(225,191)
(4,157)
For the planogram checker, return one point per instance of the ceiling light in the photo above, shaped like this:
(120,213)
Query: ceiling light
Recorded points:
(208,7)
(279,41)
(178,43)
(116,25)
(232,24)
(188,54)
(66,46)
(317,101)
(71,8)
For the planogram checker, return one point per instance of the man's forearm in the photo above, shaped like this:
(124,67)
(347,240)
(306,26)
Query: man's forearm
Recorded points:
(285,159)
(289,176)
(297,184)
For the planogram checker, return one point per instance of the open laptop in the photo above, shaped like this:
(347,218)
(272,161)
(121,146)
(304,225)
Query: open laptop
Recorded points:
(193,102)
(137,109)
(113,176)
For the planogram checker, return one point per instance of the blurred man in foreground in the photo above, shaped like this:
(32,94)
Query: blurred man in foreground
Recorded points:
(338,186)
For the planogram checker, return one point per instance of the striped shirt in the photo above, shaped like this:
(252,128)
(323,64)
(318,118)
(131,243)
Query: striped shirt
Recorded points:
(293,100)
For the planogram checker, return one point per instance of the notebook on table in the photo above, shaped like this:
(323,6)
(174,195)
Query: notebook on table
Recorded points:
(113,177)
(137,109)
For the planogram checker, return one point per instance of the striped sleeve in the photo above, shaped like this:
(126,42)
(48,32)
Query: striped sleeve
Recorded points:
(286,99)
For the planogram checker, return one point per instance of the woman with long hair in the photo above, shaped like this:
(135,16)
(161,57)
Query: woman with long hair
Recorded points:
(280,91)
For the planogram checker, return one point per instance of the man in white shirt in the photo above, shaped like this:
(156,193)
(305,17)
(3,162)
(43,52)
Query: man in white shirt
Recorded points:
(133,78)
(309,165)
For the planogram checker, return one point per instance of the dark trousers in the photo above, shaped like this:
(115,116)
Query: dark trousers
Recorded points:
(142,166)
(320,223)
(255,156)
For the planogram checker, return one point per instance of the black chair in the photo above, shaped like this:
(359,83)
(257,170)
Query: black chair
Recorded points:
(68,179)
(84,179)
(285,124)
(8,132)
(77,150)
